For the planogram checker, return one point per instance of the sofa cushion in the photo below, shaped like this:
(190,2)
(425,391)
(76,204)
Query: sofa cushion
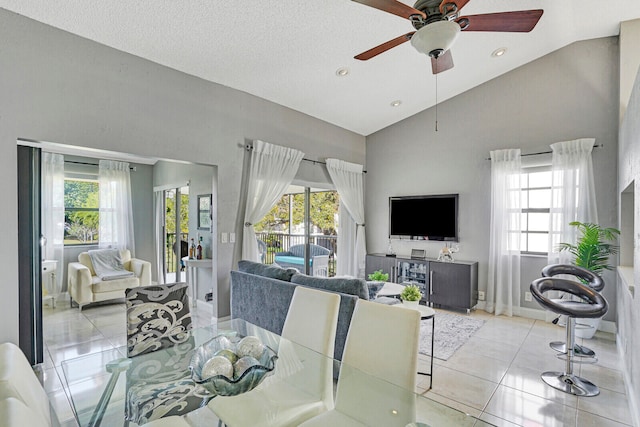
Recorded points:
(266,270)
(98,285)
(357,287)
(374,288)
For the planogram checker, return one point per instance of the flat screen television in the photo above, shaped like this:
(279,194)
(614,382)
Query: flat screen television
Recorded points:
(424,217)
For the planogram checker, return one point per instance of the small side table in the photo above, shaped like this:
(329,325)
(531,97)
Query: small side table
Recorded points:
(192,274)
(426,313)
(49,268)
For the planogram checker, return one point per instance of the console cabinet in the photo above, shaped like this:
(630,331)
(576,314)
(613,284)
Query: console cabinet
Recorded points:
(447,284)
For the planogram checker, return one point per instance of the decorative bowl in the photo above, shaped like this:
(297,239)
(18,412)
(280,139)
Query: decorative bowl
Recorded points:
(221,384)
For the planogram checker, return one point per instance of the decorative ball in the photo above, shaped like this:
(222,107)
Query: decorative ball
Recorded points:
(217,365)
(250,346)
(243,364)
(233,358)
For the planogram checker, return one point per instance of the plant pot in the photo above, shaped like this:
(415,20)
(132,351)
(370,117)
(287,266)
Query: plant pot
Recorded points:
(410,304)
(590,328)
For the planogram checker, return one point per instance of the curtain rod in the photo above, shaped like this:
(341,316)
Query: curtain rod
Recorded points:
(547,152)
(132,168)
(250,148)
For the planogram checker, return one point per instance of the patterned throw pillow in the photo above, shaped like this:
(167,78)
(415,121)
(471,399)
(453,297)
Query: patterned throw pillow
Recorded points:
(157,317)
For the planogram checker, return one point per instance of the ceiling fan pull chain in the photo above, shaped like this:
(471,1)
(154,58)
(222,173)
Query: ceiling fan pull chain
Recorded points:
(436,98)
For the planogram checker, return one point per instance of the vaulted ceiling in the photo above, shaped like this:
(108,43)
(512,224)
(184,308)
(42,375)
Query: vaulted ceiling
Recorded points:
(289,51)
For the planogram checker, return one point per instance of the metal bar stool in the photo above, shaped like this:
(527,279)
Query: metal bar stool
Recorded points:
(590,279)
(594,305)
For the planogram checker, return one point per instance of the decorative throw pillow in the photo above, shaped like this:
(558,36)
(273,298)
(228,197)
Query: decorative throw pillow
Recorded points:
(264,270)
(374,288)
(157,317)
(356,287)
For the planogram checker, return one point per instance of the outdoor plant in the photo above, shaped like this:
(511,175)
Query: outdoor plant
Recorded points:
(592,249)
(411,293)
(379,276)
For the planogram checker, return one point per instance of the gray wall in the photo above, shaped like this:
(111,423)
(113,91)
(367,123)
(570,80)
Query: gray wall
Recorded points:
(571,93)
(58,87)
(629,306)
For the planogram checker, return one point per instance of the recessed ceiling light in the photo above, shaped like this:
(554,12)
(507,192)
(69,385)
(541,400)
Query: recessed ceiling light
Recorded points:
(342,72)
(396,103)
(499,52)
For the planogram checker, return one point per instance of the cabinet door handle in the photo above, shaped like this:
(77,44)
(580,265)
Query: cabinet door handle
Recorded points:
(431,282)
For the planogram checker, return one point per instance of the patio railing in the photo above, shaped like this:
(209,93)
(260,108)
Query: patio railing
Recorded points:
(170,251)
(280,242)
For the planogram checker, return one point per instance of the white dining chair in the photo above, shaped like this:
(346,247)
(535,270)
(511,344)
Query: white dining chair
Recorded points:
(302,384)
(377,378)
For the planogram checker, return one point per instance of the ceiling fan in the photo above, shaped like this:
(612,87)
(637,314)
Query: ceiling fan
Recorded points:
(438,23)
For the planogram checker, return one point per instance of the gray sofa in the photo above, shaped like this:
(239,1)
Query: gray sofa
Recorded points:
(261,294)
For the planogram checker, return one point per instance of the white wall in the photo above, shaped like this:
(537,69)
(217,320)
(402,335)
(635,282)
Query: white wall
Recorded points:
(571,93)
(629,306)
(58,87)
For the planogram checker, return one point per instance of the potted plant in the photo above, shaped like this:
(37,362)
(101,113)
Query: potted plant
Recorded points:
(378,276)
(592,251)
(411,295)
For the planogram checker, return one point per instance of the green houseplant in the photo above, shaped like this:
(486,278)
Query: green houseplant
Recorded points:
(592,251)
(411,295)
(379,276)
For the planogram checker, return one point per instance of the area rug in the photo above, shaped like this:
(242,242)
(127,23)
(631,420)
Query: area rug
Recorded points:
(452,331)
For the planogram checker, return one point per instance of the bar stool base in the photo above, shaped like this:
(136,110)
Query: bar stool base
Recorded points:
(570,383)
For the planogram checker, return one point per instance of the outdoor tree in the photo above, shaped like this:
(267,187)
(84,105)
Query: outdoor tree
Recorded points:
(81,215)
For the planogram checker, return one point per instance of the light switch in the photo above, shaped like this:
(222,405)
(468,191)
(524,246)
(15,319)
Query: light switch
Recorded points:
(232,237)
(223,237)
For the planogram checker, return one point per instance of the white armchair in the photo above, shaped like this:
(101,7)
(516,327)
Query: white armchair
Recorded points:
(86,288)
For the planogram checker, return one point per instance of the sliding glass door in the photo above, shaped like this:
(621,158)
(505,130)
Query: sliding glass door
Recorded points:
(303,223)
(174,245)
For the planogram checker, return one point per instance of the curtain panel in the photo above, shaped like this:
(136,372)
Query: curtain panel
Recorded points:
(503,286)
(349,181)
(573,196)
(116,212)
(271,172)
(53,216)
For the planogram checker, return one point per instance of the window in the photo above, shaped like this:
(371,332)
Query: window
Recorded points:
(536,203)
(81,211)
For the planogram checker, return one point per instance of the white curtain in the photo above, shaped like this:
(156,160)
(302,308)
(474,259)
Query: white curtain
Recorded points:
(159,233)
(271,171)
(349,182)
(53,216)
(116,213)
(503,287)
(573,196)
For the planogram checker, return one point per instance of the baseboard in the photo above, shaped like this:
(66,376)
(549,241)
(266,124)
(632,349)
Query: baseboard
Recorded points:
(532,313)
(204,305)
(632,397)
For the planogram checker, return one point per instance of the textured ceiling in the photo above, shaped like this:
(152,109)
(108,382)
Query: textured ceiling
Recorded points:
(288,51)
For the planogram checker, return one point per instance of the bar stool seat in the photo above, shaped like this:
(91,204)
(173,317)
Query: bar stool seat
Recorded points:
(594,305)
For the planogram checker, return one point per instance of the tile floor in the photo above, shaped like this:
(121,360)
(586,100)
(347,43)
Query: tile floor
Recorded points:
(494,376)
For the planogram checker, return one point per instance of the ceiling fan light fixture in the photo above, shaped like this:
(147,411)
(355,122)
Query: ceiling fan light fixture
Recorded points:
(435,38)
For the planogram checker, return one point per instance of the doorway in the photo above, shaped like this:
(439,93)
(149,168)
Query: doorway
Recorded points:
(174,245)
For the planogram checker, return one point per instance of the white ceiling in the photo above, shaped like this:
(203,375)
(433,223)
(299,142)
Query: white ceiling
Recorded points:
(288,51)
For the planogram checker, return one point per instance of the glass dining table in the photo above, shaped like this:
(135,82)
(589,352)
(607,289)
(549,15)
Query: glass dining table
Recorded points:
(97,384)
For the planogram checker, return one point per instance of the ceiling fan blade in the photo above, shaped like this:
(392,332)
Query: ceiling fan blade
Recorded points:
(443,63)
(459,3)
(520,22)
(392,6)
(384,47)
